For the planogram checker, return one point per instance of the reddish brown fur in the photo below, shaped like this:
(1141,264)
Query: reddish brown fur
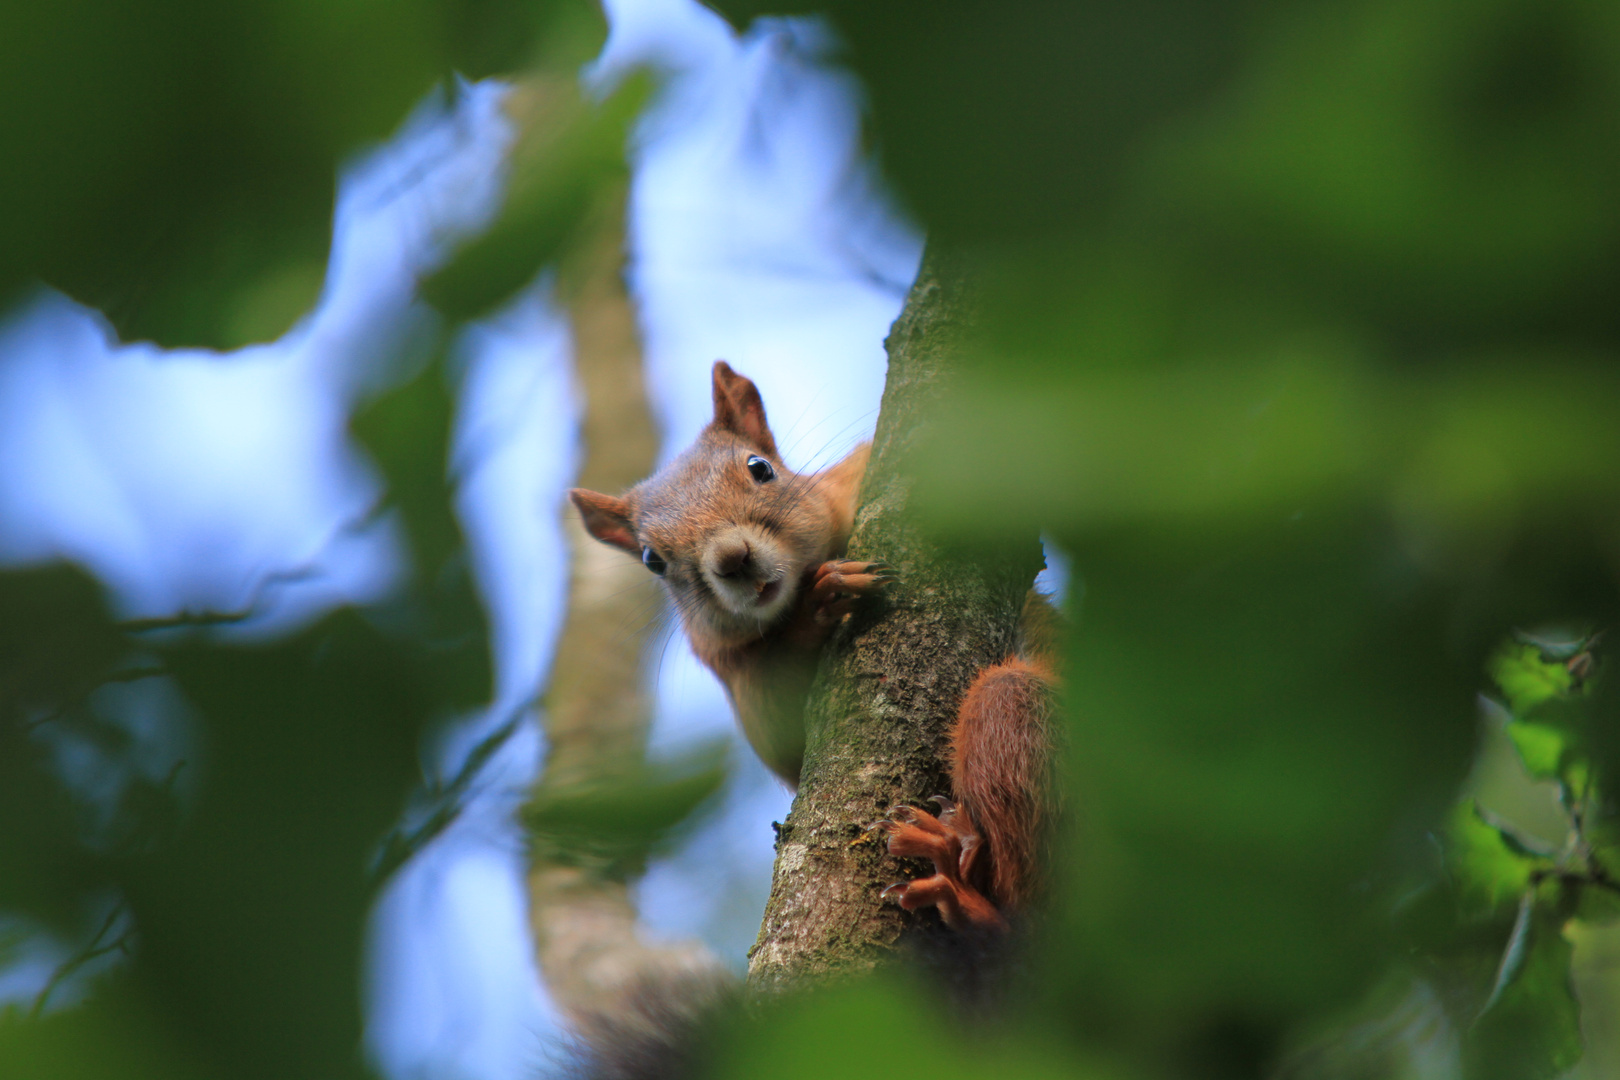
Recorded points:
(766,665)
(951,844)
(706,500)
(1001,748)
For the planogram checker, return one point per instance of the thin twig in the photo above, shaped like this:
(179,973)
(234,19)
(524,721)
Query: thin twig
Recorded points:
(77,697)
(90,952)
(184,619)
(446,801)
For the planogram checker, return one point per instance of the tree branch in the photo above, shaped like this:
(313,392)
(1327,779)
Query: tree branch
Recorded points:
(878,716)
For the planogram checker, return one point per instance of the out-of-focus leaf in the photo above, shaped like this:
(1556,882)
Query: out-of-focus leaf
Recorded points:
(1023,124)
(1598,905)
(1513,953)
(879,1027)
(1371,141)
(408,432)
(1540,748)
(1527,678)
(1518,841)
(613,823)
(1180,427)
(1531,1029)
(56,638)
(1487,869)
(251,921)
(56,642)
(114,1036)
(570,149)
(1223,725)
(173,163)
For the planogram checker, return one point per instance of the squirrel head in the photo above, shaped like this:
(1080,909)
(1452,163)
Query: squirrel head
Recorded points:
(726,525)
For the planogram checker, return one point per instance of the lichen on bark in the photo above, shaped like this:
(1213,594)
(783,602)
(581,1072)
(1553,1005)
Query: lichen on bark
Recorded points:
(878,716)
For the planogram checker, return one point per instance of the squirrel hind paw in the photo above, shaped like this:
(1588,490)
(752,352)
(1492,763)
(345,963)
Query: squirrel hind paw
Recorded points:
(952,844)
(961,907)
(917,834)
(916,816)
(952,817)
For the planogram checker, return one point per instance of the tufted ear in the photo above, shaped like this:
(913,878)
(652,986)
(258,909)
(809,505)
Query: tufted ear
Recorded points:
(607,519)
(738,408)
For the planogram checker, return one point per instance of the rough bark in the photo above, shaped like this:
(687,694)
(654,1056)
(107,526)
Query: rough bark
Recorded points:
(616,988)
(891,681)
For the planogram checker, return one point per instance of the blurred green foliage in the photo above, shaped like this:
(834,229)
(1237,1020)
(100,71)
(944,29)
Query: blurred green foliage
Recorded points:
(1298,334)
(173,163)
(249,906)
(611,824)
(570,152)
(175,166)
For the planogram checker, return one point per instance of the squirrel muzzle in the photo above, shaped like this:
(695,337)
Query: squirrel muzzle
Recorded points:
(748,572)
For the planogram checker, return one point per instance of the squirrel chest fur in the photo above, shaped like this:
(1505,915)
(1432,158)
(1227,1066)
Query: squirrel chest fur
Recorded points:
(751,555)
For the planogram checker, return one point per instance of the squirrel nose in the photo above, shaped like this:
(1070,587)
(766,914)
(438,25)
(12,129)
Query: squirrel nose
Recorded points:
(731,560)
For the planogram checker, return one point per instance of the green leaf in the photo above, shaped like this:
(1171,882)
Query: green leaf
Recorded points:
(57,643)
(1530,1028)
(1489,872)
(612,823)
(1526,678)
(1513,954)
(571,150)
(173,163)
(882,1026)
(56,637)
(1517,840)
(408,431)
(119,1034)
(257,907)
(1598,905)
(1541,748)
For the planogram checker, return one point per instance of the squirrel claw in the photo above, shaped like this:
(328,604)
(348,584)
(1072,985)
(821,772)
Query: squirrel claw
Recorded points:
(951,816)
(842,577)
(951,843)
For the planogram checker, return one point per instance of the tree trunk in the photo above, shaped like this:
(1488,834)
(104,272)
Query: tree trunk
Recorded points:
(878,716)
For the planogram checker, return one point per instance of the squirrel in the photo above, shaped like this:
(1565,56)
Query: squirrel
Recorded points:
(751,555)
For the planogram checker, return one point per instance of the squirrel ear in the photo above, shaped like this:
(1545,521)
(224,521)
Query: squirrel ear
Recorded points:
(607,519)
(738,408)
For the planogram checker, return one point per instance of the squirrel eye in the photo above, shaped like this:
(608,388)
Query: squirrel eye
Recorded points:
(760,469)
(651,560)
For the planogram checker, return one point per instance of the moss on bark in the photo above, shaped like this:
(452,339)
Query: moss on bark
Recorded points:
(879,713)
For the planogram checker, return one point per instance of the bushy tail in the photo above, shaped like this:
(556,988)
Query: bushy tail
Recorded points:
(1002,749)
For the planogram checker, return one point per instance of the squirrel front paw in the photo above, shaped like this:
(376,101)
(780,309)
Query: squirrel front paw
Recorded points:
(839,583)
(952,844)
(830,592)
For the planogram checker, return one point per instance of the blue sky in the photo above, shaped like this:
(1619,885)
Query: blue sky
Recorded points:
(192,480)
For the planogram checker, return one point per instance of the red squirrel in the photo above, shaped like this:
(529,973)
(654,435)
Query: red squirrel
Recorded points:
(751,554)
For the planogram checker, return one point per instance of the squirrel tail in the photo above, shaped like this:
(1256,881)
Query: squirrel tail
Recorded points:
(1002,749)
